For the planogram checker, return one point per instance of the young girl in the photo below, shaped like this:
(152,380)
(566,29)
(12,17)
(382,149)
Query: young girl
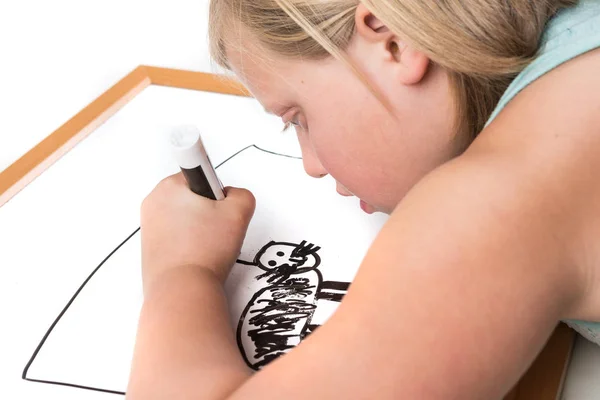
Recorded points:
(475,124)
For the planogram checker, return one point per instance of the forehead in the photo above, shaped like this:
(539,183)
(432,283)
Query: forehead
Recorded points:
(272,79)
(266,77)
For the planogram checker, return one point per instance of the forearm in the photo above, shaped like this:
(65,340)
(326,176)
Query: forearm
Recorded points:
(185,344)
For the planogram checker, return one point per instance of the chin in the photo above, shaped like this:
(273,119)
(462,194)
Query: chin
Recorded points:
(384,210)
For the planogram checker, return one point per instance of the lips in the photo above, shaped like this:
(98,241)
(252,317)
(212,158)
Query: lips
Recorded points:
(343,191)
(369,209)
(366,207)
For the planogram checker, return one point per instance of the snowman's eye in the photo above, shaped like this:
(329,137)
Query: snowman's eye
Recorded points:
(272,263)
(280,253)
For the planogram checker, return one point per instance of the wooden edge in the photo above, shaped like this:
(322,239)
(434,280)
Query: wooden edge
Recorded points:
(38,159)
(544,379)
(195,81)
(19,174)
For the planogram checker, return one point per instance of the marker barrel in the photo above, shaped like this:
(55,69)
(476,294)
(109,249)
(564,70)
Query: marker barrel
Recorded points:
(195,164)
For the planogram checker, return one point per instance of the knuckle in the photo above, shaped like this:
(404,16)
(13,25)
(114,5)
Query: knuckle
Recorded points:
(249,198)
(243,199)
(169,180)
(146,206)
(248,203)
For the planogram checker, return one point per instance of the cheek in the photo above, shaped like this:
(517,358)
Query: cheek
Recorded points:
(367,158)
(349,132)
(337,128)
(345,152)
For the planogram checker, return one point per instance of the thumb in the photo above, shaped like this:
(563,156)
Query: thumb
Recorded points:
(242,198)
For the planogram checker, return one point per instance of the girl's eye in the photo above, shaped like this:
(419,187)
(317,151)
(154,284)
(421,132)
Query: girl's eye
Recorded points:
(296,121)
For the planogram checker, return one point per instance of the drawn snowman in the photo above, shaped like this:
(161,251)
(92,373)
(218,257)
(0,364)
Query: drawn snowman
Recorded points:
(280,314)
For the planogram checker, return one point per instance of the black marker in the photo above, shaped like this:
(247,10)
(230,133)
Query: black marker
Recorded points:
(195,164)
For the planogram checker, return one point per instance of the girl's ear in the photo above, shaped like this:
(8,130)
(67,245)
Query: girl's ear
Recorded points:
(410,64)
(369,26)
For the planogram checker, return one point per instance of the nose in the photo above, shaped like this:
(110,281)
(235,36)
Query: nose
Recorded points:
(312,165)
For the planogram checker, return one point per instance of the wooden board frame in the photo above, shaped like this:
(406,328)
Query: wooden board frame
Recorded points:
(543,380)
(37,160)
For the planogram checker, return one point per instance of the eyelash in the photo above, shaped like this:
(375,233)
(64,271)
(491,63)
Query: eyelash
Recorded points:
(288,125)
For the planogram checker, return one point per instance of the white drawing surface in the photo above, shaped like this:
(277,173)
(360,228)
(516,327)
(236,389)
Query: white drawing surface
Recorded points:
(75,229)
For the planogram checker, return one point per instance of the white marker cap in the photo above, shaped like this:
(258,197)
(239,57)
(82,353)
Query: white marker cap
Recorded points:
(188,148)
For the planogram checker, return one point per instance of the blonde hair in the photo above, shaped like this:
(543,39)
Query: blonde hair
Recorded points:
(483,44)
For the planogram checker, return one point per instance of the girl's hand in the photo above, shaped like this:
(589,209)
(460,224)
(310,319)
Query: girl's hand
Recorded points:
(181,229)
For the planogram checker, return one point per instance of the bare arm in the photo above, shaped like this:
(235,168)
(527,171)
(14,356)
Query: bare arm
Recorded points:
(185,346)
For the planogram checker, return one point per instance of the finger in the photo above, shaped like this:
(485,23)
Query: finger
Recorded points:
(239,194)
(175,179)
(243,198)
(178,179)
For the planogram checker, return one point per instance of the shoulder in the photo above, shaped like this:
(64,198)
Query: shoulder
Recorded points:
(550,135)
(481,211)
(552,123)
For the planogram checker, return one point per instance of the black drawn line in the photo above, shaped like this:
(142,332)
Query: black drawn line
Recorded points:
(76,386)
(334,285)
(64,310)
(296,288)
(331,296)
(257,148)
(244,262)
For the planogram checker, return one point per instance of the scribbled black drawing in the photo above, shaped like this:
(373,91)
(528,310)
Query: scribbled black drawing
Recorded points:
(279,315)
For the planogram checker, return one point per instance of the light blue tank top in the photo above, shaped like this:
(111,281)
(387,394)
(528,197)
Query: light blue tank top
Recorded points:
(570,33)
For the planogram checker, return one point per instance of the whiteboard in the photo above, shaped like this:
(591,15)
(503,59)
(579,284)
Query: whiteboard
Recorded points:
(76,317)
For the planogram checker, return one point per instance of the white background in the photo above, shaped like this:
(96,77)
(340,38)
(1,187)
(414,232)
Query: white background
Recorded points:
(56,57)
